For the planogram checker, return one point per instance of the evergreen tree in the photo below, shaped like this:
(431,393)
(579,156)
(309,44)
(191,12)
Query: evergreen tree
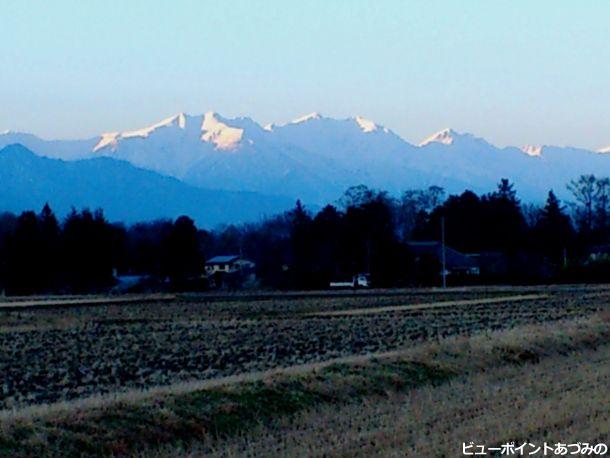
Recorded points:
(506,192)
(372,243)
(465,223)
(87,251)
(327,231)
(183,255)
(50,248)
(504,221)
(302,247)
(25,275)
(8,223)
(554,231)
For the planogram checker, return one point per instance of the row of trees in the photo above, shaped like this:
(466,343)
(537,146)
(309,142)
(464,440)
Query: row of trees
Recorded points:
(366,231)
(82,254)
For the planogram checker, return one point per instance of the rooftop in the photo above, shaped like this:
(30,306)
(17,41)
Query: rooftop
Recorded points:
(223,259)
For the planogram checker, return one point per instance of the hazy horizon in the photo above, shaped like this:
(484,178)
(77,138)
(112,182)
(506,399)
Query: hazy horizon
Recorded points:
(513,73)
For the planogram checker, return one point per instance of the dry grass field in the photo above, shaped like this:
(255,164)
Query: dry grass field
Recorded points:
(394,373)
(539,403)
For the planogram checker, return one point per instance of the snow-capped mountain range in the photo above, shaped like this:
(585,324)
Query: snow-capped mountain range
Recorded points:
(316,158)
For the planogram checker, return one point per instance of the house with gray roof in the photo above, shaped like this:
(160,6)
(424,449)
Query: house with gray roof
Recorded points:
(229,270)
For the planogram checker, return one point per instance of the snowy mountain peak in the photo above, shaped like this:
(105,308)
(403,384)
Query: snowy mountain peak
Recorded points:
(445,136)
(216,131)
(532,150)
(111,138)
(316,158)
(178,120)
(604,150)
(366,125)
(181,117)
(307,117)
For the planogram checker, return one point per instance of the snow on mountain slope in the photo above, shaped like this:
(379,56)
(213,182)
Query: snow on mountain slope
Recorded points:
(534,169)
(366,125)
(220,134)
(347,140)
(312,157)
(111,139)
(316,158)
(479,165)
(307,117)
(448,137)
(532,150)
(362,151)
(445,137)
(169,147)
(604,150)
(557,166)
(176,144)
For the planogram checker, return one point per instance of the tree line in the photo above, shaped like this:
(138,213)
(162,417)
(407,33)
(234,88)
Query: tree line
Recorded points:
(84,253)
(367,230)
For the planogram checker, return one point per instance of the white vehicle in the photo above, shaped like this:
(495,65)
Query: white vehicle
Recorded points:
(358,281)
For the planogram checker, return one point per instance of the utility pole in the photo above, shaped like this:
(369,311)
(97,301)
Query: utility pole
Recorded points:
(443,259)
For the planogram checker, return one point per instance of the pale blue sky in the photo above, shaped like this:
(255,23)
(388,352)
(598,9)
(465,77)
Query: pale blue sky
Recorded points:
(511,71)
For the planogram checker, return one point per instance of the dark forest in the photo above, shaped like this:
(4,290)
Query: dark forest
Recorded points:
(365,231)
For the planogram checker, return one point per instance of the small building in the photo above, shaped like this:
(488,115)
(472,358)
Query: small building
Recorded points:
(456,263)
(230,271)
(228,264)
